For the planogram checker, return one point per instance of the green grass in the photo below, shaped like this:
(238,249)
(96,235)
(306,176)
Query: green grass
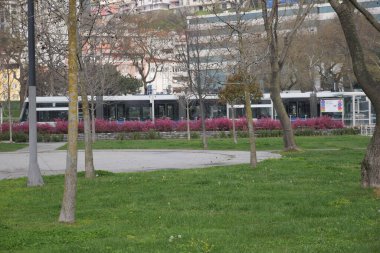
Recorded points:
(8,147)
(310,201)
(316,142)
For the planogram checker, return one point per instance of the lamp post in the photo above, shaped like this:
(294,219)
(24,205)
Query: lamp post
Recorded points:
(152,97)
(34,173)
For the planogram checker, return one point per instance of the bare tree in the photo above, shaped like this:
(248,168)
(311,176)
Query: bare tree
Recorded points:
(278,52)
(142,45)
(7,76)
(245,54)
(202,66)
(366,76)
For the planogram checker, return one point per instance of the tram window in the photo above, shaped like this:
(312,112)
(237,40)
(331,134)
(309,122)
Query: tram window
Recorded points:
(112,112)
(146,113)
(170,111)
(50,116)
(161,111)
(303,109)
(293,108)
(120,112)
(134,113)
(61,104)
(43,105)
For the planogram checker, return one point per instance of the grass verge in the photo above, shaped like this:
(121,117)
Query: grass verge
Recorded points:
(304,202)
(273,143)
(9,147)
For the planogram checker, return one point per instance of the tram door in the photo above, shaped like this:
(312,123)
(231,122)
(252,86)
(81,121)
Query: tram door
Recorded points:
(292,109)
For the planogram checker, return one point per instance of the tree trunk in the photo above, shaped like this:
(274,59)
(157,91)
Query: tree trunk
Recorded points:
(370,167)
(69,196)
(203,123)
(288,135)
(93,129)
(188,120)
(251,131)
(276,63)
(234,125)
(10,111)
(89,159)
(93,122)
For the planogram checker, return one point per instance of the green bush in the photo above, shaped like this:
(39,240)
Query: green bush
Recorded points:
(268,133)
(306,132)
(56,137)
(194,135)
(346,131)
(223,135)
(242,134)
(4,136)
(19,137)
(151,135)
(120,136)
(135,135)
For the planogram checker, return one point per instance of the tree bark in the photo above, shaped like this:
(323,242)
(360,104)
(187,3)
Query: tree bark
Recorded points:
(89,158)
(203,123)
(288,135)
(9,109)
(370,167)
(67,214)
(234,124)
(93,122)
(251,131)
(188,119)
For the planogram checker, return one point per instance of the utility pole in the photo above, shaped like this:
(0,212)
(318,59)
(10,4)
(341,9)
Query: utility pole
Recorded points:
(34,173)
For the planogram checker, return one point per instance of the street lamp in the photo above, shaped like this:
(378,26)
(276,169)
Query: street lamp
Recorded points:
(34,173)
(152,97)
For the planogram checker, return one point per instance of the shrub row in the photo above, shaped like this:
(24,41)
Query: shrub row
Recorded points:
(167,125)
(152,134)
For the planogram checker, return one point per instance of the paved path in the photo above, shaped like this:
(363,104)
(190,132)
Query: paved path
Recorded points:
(52,161)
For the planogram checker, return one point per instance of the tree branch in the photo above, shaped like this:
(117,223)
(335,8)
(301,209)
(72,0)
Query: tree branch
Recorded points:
(370,18)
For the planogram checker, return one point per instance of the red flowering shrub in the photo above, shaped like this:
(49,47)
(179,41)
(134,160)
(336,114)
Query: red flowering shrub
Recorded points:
(61,126)
(241,124)
(45,128)
(267,123)
(318,123)
(164,125)
(167,125)
(218,124)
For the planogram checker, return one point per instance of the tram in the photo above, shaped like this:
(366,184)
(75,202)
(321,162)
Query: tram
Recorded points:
(353,108)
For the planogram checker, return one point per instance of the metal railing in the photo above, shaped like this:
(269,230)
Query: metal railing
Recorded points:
(367,130)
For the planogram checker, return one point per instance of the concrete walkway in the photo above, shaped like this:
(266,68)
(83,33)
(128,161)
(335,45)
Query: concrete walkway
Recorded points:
(52,161)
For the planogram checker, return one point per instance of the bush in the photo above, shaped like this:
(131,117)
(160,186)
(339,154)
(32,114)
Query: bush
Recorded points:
(194,135)
(20,137)
(268,133)
(242,134)
(136,136)
(346,131)
(151,135)
(120,136)
(164,125)
(167,125)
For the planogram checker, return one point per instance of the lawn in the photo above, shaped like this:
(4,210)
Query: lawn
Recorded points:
(9,147)
(316,142)
(310,201)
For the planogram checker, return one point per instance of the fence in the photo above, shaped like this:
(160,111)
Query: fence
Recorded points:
(367,130)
